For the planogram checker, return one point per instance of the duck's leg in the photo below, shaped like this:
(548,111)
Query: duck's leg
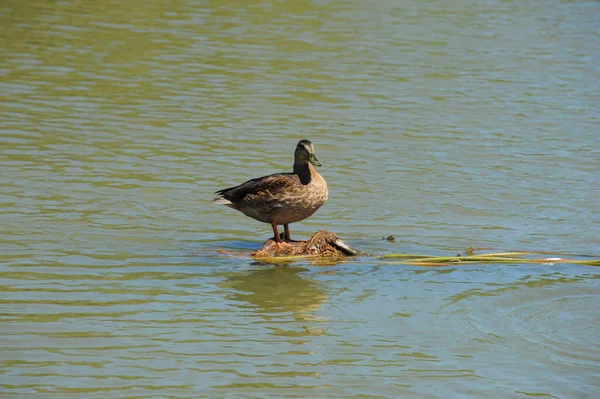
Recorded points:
(286,235)
(276,237)
(275,232)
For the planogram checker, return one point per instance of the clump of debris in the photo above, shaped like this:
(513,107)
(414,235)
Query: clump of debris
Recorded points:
(323,243)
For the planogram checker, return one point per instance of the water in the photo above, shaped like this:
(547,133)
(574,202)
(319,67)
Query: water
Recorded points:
(445,124)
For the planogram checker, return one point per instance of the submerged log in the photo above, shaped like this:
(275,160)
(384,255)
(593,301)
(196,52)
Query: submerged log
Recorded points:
(323,243)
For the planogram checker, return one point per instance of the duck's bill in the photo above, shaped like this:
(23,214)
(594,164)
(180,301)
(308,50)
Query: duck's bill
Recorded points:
(315,161)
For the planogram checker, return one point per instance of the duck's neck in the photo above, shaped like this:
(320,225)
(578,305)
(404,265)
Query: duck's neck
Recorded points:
(304,172)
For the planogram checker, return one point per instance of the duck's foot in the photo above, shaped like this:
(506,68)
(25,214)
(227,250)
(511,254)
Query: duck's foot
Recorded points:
(287,239)
(272,246)
(292,242)
(282,245)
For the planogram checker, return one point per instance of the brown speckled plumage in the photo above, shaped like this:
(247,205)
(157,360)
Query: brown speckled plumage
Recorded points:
(282,198)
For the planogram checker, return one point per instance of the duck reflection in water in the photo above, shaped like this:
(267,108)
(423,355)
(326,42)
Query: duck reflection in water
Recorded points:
(278,290)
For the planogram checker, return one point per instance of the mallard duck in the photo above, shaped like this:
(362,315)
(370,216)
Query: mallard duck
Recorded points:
(281,198)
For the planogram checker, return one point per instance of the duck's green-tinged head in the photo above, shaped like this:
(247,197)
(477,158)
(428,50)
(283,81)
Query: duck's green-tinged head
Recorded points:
(305,152)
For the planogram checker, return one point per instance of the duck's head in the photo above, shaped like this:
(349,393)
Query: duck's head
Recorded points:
(305,152)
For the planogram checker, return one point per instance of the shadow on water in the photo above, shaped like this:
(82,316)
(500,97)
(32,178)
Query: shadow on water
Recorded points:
(275,290)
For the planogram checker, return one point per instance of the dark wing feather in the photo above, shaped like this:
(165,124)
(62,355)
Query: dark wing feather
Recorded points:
(272,185)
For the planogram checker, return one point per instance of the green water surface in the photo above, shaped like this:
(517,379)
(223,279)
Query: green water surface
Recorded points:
(447,124)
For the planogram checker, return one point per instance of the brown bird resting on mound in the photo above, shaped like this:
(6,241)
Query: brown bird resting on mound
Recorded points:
(281,198)
(322,243)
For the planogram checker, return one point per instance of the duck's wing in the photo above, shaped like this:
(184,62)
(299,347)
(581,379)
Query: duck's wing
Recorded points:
(267,186)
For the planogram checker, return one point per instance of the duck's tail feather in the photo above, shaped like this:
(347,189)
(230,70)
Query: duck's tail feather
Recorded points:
(221,200)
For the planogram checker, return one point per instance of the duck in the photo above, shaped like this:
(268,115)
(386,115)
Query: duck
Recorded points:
(281,198)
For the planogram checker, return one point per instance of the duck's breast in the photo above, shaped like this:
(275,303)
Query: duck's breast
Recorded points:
(297,206)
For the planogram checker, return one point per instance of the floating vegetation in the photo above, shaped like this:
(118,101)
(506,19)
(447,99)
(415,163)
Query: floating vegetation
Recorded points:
(326,248)
(495,257)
